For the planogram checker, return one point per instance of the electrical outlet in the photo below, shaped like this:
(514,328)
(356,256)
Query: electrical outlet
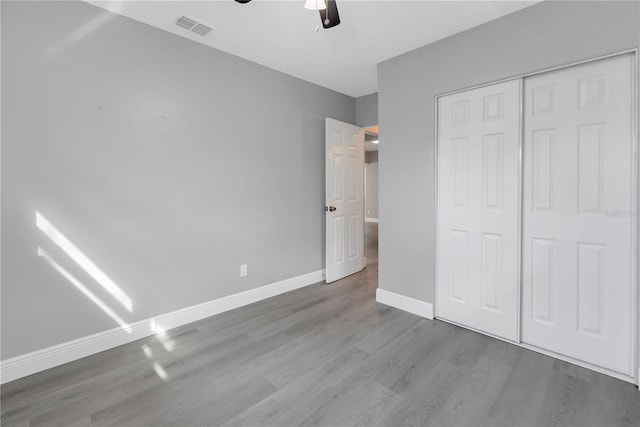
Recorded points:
(243,270)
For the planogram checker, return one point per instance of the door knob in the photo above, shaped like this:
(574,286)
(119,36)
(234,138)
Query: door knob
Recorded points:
(329,208)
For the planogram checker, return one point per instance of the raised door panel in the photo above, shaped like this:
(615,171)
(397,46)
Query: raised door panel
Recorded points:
(491,271)
(338,179)
(543,277)
(460,171)
(338,239)
(492,173)
(459,265)
(543,167)
(591,167)
(590,289)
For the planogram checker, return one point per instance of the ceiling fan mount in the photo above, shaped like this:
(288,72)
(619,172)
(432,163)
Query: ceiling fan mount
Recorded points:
(328,14)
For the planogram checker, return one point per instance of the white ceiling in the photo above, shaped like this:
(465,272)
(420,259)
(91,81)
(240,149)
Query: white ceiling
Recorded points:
(281,34)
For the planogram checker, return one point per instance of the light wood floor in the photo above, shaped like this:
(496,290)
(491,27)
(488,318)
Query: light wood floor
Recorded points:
(322,355)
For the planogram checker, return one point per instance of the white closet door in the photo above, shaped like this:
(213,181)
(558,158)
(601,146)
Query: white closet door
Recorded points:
(578,212)
(478,199)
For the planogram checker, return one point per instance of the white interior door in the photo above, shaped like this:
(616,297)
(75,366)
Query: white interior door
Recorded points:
(344,199)
(578,212)
(478,208)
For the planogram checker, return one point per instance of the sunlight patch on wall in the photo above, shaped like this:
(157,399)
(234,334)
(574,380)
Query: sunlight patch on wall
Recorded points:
(75,282)
(83,261)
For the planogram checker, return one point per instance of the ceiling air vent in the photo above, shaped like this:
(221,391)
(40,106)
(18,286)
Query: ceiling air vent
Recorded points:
(193,25)
(185,22)
(201,29)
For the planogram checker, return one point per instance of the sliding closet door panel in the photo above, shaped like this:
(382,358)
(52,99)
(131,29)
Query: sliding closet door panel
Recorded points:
(578,212)
(478,188)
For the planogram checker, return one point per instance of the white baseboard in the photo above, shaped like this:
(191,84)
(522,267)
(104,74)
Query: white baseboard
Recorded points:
(30,363)
(411,305)
(371,220)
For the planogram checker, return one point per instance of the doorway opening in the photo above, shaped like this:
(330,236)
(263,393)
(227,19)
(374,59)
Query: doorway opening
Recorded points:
(371,192)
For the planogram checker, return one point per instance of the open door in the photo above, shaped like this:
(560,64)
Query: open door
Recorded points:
(344,207)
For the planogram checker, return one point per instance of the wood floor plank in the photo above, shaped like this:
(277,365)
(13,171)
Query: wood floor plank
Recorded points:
(606,402)
(347,405)
(520,399)
(297,396)
(194,405)
(329,344)
(431,389)
(379,337)
(471,401)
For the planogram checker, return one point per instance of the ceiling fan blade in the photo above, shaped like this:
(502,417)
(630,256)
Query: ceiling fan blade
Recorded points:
(329,16)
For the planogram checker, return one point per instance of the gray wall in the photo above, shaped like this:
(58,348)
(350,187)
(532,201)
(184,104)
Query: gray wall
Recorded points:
(165,162)
(367,110)
(539,37)
(371,156)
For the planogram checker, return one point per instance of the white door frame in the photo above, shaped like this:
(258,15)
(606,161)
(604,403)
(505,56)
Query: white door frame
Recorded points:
(635,330)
